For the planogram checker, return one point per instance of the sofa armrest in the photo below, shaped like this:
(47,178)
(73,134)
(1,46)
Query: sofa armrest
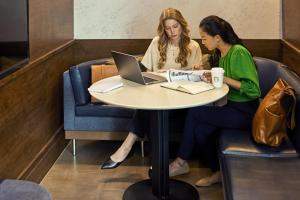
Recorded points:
(69,103)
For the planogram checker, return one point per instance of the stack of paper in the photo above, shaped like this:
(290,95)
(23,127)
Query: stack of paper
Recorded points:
(189,75)
(103,87)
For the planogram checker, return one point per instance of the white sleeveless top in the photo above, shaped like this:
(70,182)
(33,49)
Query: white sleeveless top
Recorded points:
(151,57)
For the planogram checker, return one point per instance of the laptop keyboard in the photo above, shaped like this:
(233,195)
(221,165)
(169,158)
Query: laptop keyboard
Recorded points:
(149,80)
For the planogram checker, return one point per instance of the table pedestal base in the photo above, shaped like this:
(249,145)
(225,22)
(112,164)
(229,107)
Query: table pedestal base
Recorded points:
(179,190)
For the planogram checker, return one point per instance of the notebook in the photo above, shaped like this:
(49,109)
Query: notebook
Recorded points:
(188,86)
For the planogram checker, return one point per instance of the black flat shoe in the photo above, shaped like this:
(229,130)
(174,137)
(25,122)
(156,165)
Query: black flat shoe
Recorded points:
(110,164)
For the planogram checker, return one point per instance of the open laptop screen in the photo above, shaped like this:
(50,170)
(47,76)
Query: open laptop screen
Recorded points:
(128,67)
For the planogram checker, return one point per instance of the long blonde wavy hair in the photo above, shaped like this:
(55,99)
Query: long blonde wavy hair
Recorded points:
(171,13)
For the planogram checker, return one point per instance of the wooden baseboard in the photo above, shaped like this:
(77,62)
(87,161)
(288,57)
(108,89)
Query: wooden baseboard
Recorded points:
(96,135)
(44,160)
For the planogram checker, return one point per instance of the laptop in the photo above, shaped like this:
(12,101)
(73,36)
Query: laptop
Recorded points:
(129,68)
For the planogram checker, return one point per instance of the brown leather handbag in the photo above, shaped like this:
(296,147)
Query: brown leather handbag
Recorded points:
(269,125)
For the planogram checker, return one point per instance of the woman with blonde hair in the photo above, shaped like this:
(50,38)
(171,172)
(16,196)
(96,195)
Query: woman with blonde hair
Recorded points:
(172,48)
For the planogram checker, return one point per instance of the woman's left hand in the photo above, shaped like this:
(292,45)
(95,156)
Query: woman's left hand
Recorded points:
(206,77)
(161,70)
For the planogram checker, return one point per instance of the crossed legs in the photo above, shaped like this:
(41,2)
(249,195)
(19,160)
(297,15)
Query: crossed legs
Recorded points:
(139,125)
(125,148)
(201,128)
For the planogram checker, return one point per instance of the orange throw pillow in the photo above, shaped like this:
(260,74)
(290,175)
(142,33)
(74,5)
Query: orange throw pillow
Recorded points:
(99,72)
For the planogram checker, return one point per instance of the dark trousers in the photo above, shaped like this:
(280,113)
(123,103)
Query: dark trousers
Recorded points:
(203,124)
(142,122)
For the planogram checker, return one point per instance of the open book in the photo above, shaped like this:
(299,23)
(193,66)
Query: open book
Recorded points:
(192,82)
(188,86)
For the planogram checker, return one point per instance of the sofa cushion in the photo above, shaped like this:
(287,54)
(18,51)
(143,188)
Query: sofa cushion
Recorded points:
(103,110)
(240,143)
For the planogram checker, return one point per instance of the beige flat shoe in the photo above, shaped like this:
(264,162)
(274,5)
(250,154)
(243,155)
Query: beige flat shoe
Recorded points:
(176,169)
(210,180)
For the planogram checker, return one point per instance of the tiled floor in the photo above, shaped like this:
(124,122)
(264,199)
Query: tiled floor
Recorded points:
(81,178)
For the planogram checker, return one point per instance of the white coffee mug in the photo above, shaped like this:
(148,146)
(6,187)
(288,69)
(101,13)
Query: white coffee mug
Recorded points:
(217,76)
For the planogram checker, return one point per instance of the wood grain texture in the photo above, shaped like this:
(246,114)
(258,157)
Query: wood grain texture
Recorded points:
(85,50)
(268,48)
(291,36)
(31,136)
(291,56)
(31,112)
(50,25)
(291,22)
(45,158)
(96,135)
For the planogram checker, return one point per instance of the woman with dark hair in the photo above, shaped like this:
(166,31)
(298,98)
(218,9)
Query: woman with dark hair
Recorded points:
(172,48)
(203,123)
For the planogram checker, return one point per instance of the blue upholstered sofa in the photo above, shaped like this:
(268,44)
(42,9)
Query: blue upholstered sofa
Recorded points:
(253,171)
(90,121)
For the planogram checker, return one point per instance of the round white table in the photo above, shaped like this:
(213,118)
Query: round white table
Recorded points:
(160,100)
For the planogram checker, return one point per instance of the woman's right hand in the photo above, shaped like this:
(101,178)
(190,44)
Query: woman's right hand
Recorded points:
(206,76)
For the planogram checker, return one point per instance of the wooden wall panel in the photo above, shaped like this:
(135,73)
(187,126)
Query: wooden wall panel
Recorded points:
(291,56)
(85,50)
(92,49)
(291,34)
(265,48)
(291,21)
(50,25)
(31,114)
(31,122)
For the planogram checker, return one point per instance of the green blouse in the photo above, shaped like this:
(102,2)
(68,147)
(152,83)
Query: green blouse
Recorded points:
(238,64)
